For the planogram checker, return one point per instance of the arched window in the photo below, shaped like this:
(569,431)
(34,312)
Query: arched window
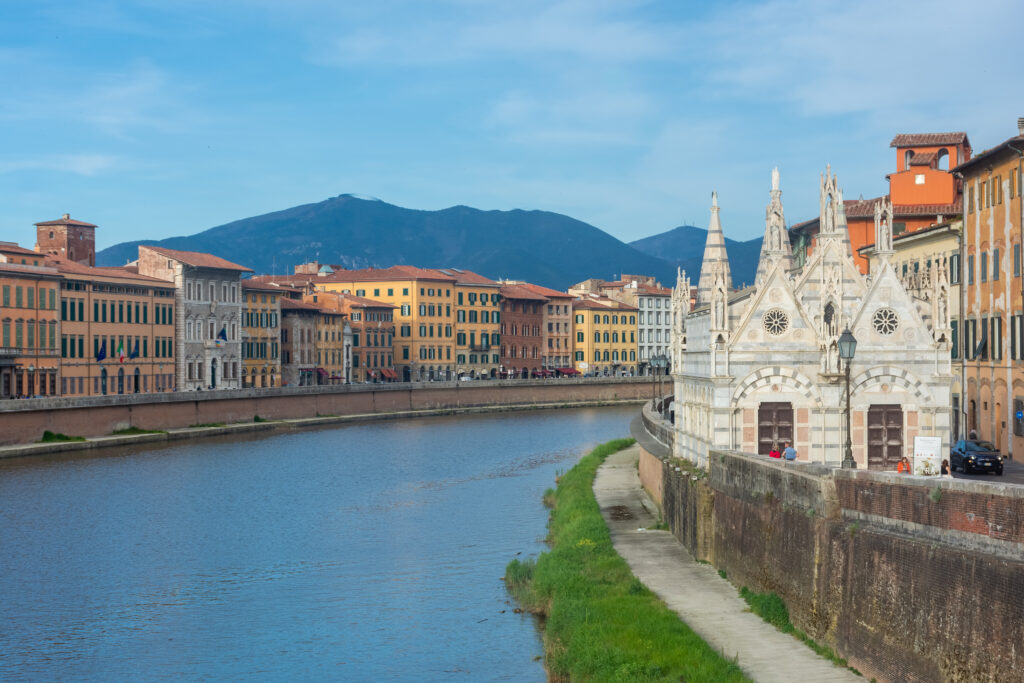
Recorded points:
(606,320)
(606,337)
(615,337)
(943,160)
(907,156)
(615,355)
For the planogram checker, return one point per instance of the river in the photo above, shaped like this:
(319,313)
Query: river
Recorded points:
(363,552)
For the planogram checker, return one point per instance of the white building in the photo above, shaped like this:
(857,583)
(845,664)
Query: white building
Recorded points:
(761,366)
(208,315)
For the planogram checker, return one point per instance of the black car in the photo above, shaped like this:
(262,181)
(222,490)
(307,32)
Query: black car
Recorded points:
(973,455)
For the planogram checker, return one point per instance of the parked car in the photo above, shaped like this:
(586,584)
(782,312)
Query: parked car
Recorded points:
(974,455)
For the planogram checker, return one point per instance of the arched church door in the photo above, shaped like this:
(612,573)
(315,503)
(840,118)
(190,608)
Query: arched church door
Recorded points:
(885,436)
(774,426)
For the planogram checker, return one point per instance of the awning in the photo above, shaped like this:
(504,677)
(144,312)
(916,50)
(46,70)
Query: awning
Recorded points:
(371,373)
(569,371)
(389,373)
(321,372)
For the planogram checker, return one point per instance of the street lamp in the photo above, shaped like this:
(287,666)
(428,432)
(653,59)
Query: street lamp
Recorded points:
(847,347)
(659,362)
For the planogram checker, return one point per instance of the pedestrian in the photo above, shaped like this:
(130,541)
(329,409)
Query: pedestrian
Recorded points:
(904,466)
(774,452)
(945,471)
(789,453)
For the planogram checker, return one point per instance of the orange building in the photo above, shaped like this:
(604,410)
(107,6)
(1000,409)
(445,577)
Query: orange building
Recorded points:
(992,318)
(29,358)
(923,193)
(116,331)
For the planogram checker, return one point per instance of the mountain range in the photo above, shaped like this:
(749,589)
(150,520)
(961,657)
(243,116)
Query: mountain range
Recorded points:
(547,248)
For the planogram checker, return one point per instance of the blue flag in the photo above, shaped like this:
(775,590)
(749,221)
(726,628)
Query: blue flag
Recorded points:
(135,351)
(222,337)
(103,351)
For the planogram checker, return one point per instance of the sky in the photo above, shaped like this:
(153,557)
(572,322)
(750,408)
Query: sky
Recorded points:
(156,118)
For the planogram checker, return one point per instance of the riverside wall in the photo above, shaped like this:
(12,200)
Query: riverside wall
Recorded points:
(24,421)
(908,578)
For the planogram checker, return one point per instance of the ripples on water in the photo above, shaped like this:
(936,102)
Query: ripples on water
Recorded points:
(361,552)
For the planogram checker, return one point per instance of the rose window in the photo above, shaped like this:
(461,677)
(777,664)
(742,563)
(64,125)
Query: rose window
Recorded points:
(776,321)
(885,321)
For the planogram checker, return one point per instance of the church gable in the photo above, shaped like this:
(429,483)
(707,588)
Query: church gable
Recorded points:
(774,318)
(889,317)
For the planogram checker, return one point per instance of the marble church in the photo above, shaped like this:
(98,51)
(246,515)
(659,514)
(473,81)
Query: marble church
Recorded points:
(761,366)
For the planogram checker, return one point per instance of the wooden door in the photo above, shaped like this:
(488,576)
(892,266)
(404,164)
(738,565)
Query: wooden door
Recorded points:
(885,436)
(774,426)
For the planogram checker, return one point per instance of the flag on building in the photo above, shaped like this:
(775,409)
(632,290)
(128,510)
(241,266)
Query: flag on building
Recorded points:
(135,351)
(120,351)
(222,337)
(102,353)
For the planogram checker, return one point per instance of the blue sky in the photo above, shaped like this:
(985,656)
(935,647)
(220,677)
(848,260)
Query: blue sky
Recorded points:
(161,117)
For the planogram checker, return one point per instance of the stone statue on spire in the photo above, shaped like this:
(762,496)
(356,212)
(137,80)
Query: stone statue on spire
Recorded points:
(883,228)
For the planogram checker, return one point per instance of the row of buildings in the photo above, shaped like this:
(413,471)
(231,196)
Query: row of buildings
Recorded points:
(188,321)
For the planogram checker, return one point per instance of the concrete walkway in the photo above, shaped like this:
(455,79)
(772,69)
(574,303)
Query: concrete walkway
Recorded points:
(707,603)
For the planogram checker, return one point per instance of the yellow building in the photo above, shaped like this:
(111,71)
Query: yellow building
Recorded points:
(604,334)
(424,315)
(261,335)
(916,258)
(477,324)
(333,344)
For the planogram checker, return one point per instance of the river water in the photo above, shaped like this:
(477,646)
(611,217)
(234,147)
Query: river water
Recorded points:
(364,552)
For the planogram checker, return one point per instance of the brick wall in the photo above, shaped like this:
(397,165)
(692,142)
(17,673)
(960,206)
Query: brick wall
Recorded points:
(25,421)
(909,579)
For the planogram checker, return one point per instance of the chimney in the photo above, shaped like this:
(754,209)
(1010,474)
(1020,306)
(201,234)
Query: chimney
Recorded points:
(68,215)
(1020,126)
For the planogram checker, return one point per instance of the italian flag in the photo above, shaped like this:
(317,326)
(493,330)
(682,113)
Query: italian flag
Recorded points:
(120,351)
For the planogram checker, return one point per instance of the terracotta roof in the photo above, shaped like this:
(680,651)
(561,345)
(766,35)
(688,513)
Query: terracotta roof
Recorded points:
(259,286)
(1014,144)
(391,273)
(359,300)
(295,304)
(521,292)
(13,248)
(659,291)
(601,304)
(67,267)
(29,270)
(862,208)
(281,281)
(544,291)
(923,158)
(67,220)
(467,277)
(197,258)
(928,139)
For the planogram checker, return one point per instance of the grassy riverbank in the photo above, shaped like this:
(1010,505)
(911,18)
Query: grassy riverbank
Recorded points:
(601,623)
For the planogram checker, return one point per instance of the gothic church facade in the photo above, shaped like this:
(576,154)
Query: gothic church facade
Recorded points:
(760,367)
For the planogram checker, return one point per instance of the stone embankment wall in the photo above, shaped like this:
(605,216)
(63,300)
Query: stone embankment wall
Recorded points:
(910,579)
(25,421)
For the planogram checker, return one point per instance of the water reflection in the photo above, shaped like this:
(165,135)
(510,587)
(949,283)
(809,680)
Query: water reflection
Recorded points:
(361,552)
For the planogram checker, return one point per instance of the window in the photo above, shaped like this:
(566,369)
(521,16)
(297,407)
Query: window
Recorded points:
(970,269)
(995,264)
(984,266)
(1016,260)
(954,268)
(919,179)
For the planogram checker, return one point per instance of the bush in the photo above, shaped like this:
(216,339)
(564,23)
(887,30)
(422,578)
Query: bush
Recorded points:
(57,437)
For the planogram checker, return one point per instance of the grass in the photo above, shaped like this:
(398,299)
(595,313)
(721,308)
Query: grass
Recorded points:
(136,430)
(771,608)
(57,437)
(601,622)
(207,424)
(257,418)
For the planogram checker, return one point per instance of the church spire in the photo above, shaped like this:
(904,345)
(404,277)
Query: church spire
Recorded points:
(775,246)
(715,257)
(832,222)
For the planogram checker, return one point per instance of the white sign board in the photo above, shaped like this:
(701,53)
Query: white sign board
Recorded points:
(582,364)
(927,455)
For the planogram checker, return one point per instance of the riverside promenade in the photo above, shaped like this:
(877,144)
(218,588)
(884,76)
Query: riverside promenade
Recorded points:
(709,604)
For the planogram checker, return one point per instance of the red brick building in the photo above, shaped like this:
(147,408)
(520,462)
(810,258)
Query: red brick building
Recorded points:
(522,336)
(373,333)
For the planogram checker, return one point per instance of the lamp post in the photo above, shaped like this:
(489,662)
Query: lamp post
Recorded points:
(659,362)
(847,347)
